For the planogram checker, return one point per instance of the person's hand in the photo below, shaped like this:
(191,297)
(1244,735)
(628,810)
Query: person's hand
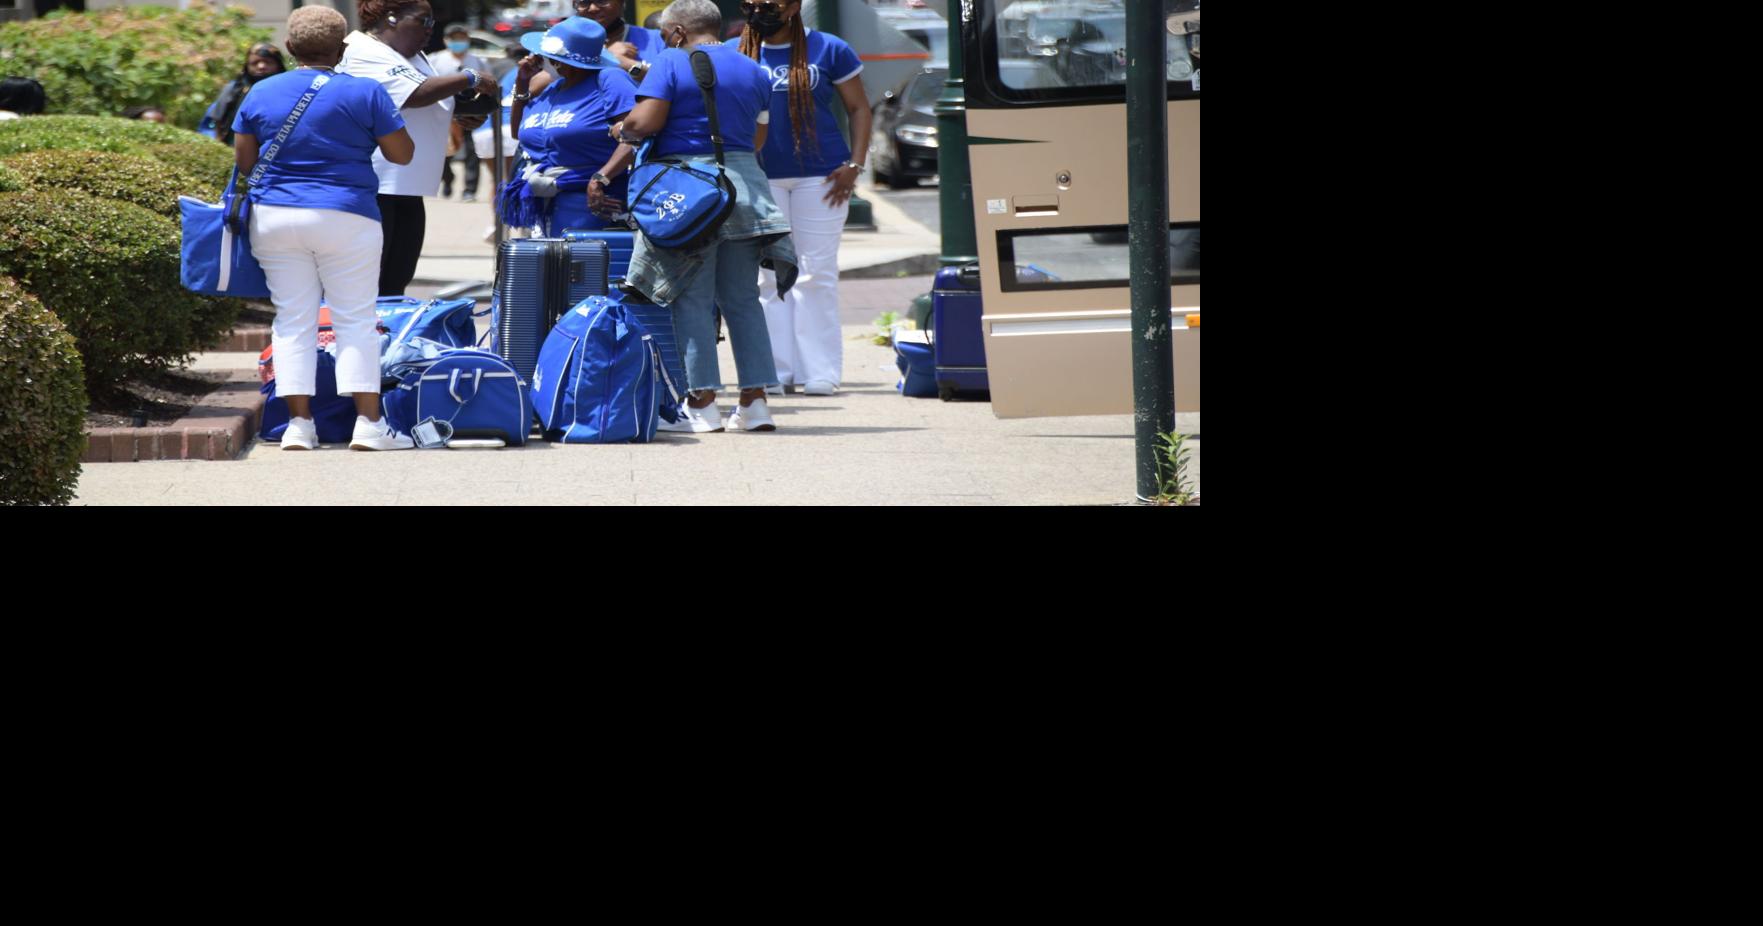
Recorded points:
(844,181)
(625,52)
(470,123)
(601,204)
(530,67)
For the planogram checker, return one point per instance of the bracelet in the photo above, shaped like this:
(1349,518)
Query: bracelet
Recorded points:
(471,79)
(853,165)
(522,97)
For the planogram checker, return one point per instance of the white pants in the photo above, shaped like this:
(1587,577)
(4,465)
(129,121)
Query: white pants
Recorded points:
(309,255)
(805,339)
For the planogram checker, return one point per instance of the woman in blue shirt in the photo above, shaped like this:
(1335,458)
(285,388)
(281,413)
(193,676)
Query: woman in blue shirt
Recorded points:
(315,221)
(572,172)
(670,113)
(813,174)
(634,47)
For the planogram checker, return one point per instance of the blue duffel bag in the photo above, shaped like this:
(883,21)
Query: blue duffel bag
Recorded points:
(333,414)
(476,393)
(448,321)
(600,379)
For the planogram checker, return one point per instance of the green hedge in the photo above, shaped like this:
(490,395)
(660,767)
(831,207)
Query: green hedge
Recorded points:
(93,133)
(208,162)
(9,181)
(103,62)
(42,403)
(132,178)
(109,269)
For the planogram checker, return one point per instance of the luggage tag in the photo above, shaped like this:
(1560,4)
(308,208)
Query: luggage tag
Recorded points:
(430,434)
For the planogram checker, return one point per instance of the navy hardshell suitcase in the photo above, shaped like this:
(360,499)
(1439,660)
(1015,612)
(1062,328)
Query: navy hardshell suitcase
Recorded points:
(619,243)
(959,340)
(537,280)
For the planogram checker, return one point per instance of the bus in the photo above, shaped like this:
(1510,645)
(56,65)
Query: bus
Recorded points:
(1046,125)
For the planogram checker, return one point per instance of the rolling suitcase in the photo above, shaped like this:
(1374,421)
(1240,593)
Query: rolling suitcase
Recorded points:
(619,243)
(959,344)
(537,280)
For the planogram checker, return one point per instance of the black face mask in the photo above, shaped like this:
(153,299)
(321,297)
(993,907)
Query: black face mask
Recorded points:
(766,21)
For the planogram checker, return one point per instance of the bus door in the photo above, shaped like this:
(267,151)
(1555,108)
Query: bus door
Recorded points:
(1046,124)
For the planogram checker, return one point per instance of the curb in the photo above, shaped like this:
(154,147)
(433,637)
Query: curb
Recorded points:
(916,265)
(218,429)
(242,340)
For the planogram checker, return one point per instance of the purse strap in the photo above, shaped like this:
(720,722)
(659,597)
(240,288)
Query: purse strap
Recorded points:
(706,74)
(275,147)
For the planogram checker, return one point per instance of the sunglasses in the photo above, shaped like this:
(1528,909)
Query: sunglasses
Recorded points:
(428,22)
(589,4)
(767,7)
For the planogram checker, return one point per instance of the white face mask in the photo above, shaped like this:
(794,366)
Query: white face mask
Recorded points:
(551,69)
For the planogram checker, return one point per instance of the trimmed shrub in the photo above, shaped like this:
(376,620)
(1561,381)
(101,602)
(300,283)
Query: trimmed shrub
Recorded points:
(42,403)
(105,61)
(109,269)
(210,163)
(131,178)
(92,133)
(9,181)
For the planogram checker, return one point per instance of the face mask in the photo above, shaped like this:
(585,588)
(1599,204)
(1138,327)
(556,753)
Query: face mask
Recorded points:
(551,69)
(459,48)
(766,21)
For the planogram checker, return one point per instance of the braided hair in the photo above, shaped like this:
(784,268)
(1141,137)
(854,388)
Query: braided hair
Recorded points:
(801,91)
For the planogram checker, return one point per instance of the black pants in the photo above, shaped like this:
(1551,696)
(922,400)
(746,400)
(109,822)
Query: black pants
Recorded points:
(403,222)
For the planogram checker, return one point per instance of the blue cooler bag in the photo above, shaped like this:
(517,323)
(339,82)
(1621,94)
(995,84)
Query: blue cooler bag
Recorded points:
(448,321)
(475,391)
(918,364)
(599,378)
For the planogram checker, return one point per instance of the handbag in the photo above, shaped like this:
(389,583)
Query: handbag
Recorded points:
(216,253)
(678,204)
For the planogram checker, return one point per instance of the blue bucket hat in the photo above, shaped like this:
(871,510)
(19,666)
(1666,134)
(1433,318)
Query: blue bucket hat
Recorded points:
(577,41)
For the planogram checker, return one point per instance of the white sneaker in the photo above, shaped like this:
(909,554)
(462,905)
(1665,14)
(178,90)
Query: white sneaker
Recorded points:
(754,417)
(821,387)
(378,435)
(774,390)
(302,434)
(704,420)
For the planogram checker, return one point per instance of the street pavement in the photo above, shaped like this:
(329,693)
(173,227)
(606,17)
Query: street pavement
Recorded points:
(866,446)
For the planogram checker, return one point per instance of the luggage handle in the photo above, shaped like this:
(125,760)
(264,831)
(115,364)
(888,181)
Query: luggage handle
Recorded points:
(477,381)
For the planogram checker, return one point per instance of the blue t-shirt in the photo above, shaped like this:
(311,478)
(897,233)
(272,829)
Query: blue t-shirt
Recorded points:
(328,160)
(824,148)
(570,126)
(743,95)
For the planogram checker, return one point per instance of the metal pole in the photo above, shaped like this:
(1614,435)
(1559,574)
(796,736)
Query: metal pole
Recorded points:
(496,170)
(954,179)
(1147,177)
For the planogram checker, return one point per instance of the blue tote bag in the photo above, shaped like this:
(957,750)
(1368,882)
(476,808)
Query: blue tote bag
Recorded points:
(217,257)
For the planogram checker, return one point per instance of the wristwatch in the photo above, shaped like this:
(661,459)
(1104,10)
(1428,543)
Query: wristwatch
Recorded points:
(853,165)
(520,97)
(637,71)
(601,179)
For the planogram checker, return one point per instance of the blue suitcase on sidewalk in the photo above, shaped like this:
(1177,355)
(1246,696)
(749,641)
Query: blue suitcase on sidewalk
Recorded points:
(658,321)
(619,243)
(959,341)
(537,280)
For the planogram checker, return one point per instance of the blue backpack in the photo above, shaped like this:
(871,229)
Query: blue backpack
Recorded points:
(678,204)
(477,392)
(599,379)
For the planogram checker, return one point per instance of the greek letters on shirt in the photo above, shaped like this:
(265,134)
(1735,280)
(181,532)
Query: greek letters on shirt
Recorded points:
(553,119)
(407,72)
(780,78)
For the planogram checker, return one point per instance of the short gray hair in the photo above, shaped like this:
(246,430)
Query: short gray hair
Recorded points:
(315,30)
(697,16)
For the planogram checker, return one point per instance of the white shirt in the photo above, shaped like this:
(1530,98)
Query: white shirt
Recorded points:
(448,63)
(375,60)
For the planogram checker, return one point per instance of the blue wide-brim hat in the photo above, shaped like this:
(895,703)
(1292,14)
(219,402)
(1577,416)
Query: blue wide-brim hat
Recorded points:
(577,41)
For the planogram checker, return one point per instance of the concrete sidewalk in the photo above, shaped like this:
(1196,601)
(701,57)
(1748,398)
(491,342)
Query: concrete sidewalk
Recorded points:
(866,446)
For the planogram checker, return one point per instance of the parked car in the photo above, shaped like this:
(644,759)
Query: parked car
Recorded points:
(903,144)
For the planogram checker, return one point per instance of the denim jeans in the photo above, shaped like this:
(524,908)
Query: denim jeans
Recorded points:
(730,278)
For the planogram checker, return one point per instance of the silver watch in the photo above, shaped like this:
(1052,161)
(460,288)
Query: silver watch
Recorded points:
(854,165)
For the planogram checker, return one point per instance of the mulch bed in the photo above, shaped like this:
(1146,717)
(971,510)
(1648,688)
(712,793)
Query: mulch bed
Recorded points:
(165,397)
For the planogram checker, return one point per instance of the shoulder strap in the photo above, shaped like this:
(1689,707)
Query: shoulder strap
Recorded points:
(236,209)
(706,74)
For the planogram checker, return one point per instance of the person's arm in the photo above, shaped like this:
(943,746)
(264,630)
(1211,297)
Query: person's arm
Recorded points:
(244,153)
(435,89)
(398,147)
(844,179)
(759,133)
(530,81)
(620,161)
(647,119)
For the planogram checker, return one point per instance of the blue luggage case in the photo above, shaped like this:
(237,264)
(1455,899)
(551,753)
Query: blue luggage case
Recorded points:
(959,339)
(537,280)
(658,321)
(619,243)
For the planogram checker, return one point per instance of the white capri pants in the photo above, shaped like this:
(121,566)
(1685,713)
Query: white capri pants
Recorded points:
(804,325)
(309,255)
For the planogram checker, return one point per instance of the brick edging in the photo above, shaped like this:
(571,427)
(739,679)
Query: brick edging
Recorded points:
(243,340)
(218,429)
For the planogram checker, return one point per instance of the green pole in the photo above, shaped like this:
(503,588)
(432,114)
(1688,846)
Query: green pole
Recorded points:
(1147,175)
(954,179)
